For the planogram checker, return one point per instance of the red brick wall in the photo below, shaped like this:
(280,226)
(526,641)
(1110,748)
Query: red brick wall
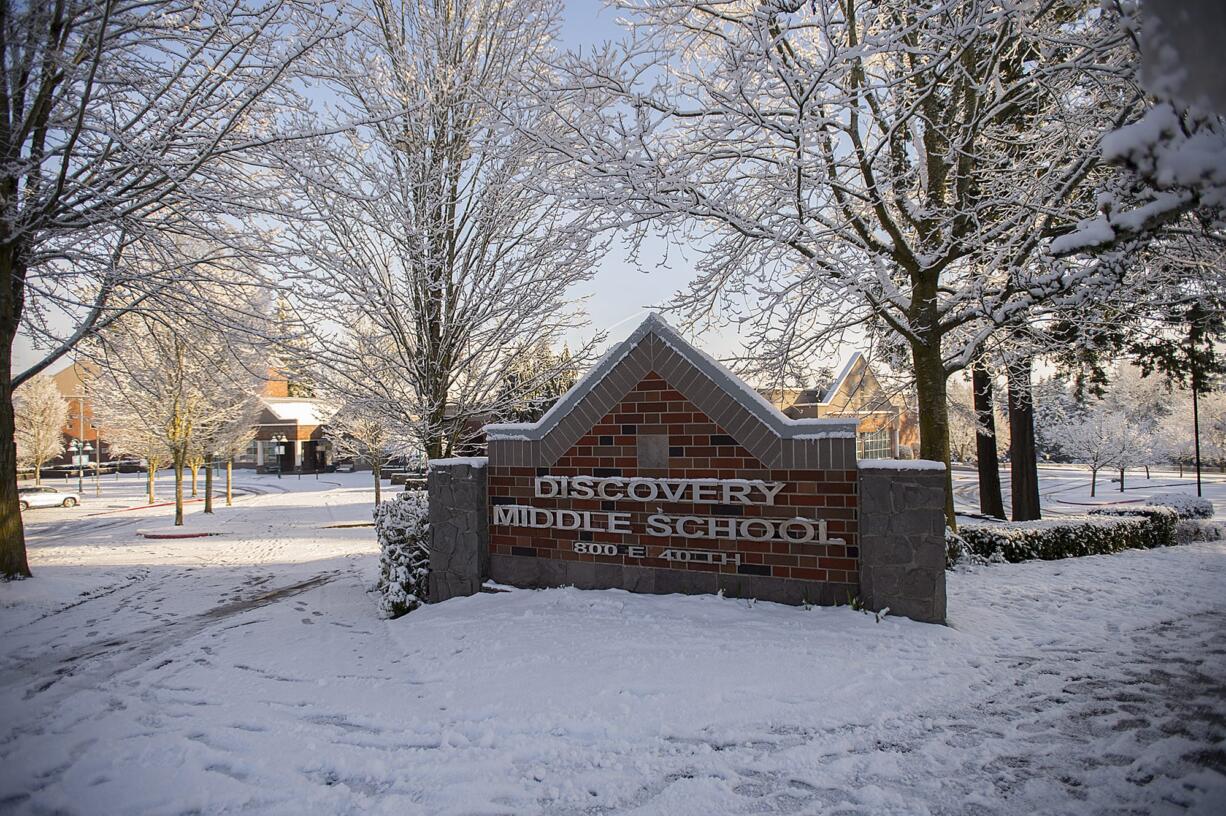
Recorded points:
(698,448)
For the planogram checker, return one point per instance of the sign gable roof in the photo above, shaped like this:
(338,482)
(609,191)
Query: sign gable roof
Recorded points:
(655,346)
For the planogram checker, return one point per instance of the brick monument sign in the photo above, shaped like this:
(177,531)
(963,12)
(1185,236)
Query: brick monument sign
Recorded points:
(662,472)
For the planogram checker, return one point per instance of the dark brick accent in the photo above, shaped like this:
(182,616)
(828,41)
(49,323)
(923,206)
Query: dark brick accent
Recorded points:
(722,439)
(528,551)
(503,500)
(727,510)
(606,440)
(630,430)
(753,569)
(676,451)
(602,472)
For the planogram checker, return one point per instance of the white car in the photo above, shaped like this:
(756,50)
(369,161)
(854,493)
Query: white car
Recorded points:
(29,497)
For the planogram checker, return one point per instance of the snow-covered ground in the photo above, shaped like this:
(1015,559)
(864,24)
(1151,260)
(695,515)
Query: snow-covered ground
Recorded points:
(1065,489)
(247,672)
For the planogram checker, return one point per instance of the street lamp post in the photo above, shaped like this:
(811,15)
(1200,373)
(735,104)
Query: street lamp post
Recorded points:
(97,463)
(80,452)
(280,440)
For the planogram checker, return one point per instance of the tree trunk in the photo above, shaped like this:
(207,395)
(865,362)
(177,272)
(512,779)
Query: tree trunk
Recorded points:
(149,480)
(1121,480)
(1023,461)
(1093,481)
(934,414)
(229,482)
(179,465)
(194,470)
(987,461)
(208,487)
(378,471)
(13,561)
(38,473)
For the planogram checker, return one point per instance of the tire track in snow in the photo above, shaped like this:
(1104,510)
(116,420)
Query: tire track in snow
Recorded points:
(50,678)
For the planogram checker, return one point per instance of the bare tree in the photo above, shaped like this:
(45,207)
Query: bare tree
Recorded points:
(1093,439)
(179,384)
(129,434)
(362,433)
(41,413)
(855,165)
(121,121)
(428,228)
(230,440)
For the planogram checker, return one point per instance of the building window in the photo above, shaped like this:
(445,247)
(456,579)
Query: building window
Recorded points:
(247,457)
(875,445)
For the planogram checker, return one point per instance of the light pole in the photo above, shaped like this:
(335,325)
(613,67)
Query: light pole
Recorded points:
(80,452)
(97,462)
(75,447)
(280,440)
(86,451)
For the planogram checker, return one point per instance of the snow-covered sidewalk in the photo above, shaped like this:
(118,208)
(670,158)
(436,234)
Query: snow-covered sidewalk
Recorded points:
(248,673)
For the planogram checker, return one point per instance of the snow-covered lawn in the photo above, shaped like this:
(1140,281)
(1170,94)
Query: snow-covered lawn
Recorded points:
(247,672)
(1065,489)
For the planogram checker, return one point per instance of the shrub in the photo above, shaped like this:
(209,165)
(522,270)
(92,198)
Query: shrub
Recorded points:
(1190,530)
(404,555)
(1070,537)
(1188,507)
(957,551)
(1163,520)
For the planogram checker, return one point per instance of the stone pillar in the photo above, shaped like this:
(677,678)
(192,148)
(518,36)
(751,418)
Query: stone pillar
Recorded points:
(459,527)
(902,538)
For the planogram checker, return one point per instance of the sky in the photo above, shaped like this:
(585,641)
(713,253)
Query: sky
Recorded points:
(622,290)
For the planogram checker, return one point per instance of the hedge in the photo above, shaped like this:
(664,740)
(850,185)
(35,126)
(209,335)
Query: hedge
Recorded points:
(1072,536)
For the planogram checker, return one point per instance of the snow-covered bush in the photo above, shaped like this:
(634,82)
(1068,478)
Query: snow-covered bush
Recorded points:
(404,554)
(1070,537)
(957,551)
(1188,507)
(1190,530)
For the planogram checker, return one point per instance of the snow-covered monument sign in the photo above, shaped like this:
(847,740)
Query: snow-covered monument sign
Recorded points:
(660,471)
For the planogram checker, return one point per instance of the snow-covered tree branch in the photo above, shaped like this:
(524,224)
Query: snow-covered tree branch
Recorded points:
(886,168)
(427,231)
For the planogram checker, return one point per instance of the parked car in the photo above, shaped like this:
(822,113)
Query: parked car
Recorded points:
(28,497)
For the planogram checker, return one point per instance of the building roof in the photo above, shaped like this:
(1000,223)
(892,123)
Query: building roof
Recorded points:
(299,410)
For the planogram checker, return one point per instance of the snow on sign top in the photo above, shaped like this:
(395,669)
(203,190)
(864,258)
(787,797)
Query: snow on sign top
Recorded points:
(749,399)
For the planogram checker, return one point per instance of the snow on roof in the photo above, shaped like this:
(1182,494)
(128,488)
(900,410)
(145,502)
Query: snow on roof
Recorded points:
(839,380)
(738,389)
(299,410)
